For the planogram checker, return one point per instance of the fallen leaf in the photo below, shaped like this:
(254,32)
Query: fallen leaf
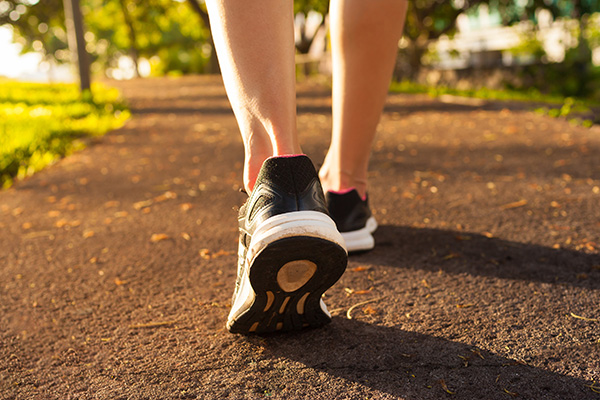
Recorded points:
(469,305)
(165,196)
(465,360)
(121,214)
(88,234)
(451,256)
(220,253)
(119,282)
(26,225)
(477,353)
(157,237)
(205,253)
(141,204)
(185,206)
(445,387)
(369,310)
(515,204)
(185,236)
(360,269)
(61,222)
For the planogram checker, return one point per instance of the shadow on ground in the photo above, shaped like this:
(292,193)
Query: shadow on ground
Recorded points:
(410,365)
(459,252)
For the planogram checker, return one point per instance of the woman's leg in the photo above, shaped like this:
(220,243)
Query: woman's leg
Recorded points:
(290,250)
(364,41)
(255,45)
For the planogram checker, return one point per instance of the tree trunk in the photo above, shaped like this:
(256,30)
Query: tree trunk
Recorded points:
(133,51)
(74,23)
(213,62)
(415,51)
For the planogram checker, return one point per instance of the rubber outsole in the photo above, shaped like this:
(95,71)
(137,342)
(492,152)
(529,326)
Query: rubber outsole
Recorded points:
(277,310)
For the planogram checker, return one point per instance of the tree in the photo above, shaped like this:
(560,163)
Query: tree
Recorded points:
(200,10)
(75,35)
(38,26)
(159,30)
(427,20)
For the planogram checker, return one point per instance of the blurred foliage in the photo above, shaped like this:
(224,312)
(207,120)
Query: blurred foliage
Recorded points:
(304,6)
(427,20)
(40,123)
(576,75)
(166,32)
(174,35)
(532,95)
(579,111)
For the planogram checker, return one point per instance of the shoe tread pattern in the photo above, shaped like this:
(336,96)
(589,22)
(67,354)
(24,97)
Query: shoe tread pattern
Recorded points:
(330,260)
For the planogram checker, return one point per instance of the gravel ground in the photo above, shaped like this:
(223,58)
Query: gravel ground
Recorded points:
(118,262)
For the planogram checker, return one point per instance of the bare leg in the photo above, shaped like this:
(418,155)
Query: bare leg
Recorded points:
(364,40)
(255,46)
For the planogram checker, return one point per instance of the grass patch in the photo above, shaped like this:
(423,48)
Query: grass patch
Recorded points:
(40,123)
(558,106)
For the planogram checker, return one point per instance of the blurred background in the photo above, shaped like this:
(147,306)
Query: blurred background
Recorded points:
(546,52)
(550,45)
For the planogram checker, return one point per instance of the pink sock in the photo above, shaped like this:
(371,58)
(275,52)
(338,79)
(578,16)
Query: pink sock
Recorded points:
(287,156)
(345,191)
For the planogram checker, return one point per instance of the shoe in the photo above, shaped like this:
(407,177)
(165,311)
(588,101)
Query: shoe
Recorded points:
(353,219)
(290,251)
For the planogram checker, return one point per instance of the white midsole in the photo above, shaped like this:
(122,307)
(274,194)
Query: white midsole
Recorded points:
(297,223)
(361,239)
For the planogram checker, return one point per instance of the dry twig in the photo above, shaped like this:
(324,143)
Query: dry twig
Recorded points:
(349,312)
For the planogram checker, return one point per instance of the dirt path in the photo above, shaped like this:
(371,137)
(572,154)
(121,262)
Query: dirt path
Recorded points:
(118,263)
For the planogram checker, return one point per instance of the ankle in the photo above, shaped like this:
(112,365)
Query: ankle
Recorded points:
(341,181)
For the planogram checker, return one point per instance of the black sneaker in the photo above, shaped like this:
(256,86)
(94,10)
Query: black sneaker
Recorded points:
(290,251)
(353,219)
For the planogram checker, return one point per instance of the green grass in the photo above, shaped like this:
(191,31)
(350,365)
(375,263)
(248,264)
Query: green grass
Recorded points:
(532,95)
(40,123)
(558,106)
